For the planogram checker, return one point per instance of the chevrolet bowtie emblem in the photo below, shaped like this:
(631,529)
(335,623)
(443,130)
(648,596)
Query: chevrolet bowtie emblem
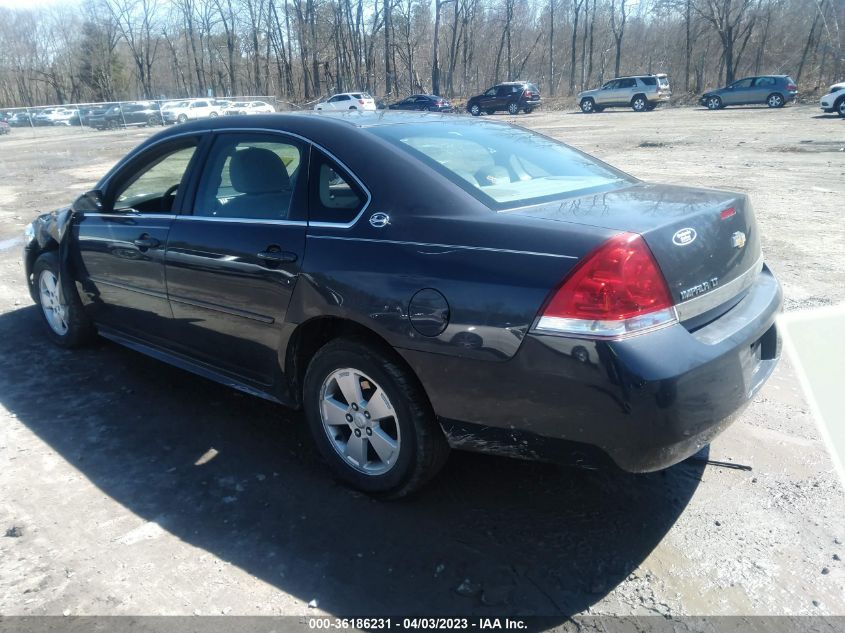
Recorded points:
(738,239)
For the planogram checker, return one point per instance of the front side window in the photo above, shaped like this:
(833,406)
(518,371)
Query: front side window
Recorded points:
(333,195)
(504,167)
(490,93)
(152,187)
(249,177)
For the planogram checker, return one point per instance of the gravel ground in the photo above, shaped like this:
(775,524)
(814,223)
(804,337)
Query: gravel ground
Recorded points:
(129,487)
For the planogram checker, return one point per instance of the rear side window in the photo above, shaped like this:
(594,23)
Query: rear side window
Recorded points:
(503,167)
(763,82)
(249,177)
(333,194)
(649,81)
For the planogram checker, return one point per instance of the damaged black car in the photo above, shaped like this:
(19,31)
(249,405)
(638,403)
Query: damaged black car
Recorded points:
(417,283)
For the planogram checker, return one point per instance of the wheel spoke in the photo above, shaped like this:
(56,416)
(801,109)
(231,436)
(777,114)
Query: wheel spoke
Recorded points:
(379,406)
(350,387)
(356,448)
(334,412)
(384,445)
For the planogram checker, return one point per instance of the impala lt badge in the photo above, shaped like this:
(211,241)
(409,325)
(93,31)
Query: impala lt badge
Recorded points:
(738,239)
(684,237)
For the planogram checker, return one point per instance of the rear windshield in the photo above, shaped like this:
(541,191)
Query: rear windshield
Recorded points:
(504,166)
(663,80)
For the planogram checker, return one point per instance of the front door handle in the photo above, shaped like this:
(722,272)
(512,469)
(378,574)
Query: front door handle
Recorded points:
(275,255)
(145,241)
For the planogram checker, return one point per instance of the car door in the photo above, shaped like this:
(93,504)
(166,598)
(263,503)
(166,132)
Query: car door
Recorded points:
(604,96)
(422,103)
(121,249)
(624,91)
(762,88)
(488,99)
(740,92)
(233,261)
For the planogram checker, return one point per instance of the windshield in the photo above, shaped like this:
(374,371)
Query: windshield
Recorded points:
(504,166)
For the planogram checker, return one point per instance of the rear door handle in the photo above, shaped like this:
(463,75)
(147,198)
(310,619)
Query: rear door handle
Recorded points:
(145,241)
(276,256)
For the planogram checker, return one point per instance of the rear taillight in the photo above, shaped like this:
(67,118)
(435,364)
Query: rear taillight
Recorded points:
(615,291)
(361,101)
(791,87)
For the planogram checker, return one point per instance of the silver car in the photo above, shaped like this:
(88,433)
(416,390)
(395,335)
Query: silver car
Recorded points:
(640,93)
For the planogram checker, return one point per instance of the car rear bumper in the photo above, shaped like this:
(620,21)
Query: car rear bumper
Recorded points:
(531,103)
(645,402)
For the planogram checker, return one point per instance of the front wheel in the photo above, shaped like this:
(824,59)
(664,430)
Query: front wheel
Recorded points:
(371,421)
(182,118)
(474,110)
(213,115)
(775,100)
(714,103)
(840,108)
(513,109)
(62,313)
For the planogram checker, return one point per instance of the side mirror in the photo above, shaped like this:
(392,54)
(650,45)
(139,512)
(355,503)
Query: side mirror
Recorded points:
(90,202)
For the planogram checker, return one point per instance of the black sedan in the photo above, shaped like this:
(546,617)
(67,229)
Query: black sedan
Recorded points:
(419,282)
(427,103)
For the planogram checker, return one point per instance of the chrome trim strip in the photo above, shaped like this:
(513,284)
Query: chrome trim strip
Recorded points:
(141,216)
(714,298)
(327,225)
(205,218)
(449,246)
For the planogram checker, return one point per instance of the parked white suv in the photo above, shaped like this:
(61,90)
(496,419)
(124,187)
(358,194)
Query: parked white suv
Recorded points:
(347,101)
(834,100)
(191,109)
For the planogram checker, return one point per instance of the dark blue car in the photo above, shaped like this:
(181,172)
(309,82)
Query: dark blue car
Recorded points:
(418,283)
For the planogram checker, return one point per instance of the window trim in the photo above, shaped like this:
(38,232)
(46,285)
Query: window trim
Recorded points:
(311,145)
(348,172)
(118,177)
(304,162)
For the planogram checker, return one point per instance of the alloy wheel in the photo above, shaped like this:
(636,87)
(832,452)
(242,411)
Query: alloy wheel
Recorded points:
(55,310)
(638,105)
(360,421)
(841,108)
(513,109)
(714,103)
(587,106)
(475,110)
(775,101)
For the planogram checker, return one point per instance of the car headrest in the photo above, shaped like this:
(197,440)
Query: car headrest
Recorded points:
(258,170)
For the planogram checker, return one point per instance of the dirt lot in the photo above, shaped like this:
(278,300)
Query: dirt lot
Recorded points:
(129,487)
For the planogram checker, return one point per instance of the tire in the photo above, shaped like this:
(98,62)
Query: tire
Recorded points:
(474,110)
(775,100)
(213,115)
(588,106)
(714,103)
(152,121)
(513,108)
(182,118)
(65,322)
(352,108)
(840,107)
(639,103)
(413,448)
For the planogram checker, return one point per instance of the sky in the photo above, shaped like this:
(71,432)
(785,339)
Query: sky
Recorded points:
(29,4)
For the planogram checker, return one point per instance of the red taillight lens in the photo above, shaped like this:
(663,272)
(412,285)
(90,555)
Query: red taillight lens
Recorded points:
(727,213)
(361,101)
(616,290)
(792,87)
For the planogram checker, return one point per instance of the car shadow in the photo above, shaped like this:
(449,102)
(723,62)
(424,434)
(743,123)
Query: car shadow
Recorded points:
(236,476)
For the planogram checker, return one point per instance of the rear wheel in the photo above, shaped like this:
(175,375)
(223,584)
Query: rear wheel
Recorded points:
(182,118)
(840,107)
(152,121)
(62,313)
(714,103)
(639,103)
(513,108)
(371,421)
(474,110)
(775,100)
(588,106)
(213,115)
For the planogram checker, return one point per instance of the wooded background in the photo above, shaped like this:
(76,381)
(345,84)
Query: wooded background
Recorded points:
(300,50)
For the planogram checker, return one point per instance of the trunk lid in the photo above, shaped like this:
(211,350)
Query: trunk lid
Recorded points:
(700,245)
